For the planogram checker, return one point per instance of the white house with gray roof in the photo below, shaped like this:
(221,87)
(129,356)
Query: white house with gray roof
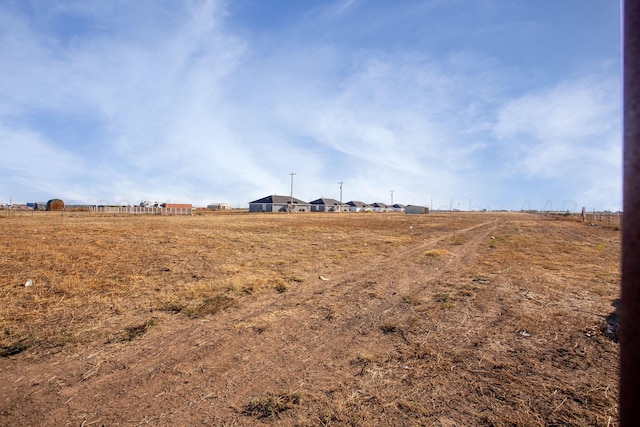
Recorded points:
(357,206)
(277,203)
(324,204)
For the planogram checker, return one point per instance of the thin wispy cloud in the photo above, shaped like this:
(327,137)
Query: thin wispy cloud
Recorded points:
(569,134)
(203,101)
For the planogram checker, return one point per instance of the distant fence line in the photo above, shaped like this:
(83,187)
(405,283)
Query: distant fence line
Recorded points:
(140,210)
(591,217)
(123,210)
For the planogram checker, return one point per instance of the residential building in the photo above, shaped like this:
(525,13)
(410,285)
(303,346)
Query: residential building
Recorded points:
(277,203)
(324,204)
(357,206)
(379,207)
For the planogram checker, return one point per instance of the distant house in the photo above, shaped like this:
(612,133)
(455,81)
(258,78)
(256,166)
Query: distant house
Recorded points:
(328,205)
(414,209)
(398,207)
(356,206)
(379,207)
(219,206)
(277,203)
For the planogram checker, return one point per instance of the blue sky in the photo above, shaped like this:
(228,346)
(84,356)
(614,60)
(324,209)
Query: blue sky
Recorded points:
(484,104)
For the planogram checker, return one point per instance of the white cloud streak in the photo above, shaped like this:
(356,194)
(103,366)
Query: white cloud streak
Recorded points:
(570,133)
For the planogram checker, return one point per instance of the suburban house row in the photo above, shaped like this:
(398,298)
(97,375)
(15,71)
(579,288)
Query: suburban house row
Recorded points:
(277,203)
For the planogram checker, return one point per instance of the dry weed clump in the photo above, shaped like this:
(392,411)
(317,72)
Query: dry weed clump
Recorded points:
(436,252)
(271,404)
(132,332)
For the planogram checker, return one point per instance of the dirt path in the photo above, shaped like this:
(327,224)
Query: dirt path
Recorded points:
(326,350)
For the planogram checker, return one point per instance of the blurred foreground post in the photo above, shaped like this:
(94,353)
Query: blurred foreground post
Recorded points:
(629,404)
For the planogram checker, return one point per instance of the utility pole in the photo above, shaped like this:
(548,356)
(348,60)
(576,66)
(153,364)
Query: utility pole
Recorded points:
(291,201)
(341,195)
(431,205)
(391,197)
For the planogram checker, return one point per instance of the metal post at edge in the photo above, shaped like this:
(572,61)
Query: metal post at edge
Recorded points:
(629,398)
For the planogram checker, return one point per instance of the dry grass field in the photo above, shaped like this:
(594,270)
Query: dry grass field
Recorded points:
(459,319)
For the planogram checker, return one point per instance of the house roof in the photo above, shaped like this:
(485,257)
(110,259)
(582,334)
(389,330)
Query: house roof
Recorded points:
(326,201)
(279,200)
(357,204)
(379,205)
(398,205)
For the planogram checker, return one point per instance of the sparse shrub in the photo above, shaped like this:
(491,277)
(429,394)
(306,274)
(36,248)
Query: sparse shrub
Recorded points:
(172,307)
(17,347)
(445,300)
(457,240)
(212,305)
(364,358)
(281,288)
(134,332)
(248,290)
(388,328)
(436,253)
(467,293)
(411,300)
(271,404)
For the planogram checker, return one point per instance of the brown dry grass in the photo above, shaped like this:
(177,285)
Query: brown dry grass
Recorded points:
(451,319)
(93,275)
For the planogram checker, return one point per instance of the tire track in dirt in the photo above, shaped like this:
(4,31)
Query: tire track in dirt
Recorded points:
(324,326)
(376,287)
(191,369)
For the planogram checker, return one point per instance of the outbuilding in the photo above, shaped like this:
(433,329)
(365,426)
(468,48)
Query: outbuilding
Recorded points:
(415,209)
(219,206)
